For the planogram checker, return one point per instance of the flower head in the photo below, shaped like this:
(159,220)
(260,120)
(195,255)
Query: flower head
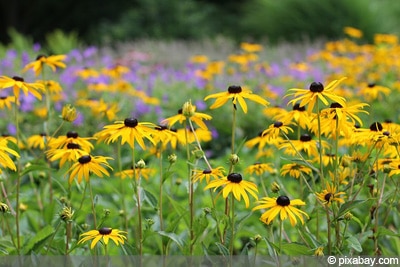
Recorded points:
(104,234)
(215,173)
(238,95)
(89,164)
(5,159)
(329,195)
(130,130)
(188,111)
(259,168)
(233,183)
(52,61)
(282,206)
(69,113)
(314,93)
(18,83)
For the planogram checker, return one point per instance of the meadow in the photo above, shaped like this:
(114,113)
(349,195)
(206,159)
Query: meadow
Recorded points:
(248,151)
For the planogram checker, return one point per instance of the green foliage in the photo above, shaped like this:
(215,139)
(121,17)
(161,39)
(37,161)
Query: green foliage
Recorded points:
(59,42)
(293,20)
(157,20)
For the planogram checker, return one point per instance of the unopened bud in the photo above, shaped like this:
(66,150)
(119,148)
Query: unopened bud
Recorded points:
(69,113)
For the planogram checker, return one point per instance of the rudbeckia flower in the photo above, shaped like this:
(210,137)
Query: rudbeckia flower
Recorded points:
(188,111)
(259,168)
(215,173)
(316,92)
(130,130)
(52,61)
(71,137)
(5,159)
(89,164)
(329,195)
(282,206)
(5,101)
(238,95)
(104,234)
(18,83)
(233,183)
(71,153)
(273,131)
(37,141)
(295,170)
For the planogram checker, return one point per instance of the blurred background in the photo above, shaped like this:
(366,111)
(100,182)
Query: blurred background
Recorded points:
(104,22)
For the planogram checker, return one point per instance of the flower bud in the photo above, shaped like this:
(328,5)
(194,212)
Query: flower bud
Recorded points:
(66,214)
(141,164)
(172,158)
(234,159)
(188,110)
(69,113)
(4,207)
(275,187)
(319,252)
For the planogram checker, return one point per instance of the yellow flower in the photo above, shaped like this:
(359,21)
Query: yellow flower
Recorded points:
(37,141)
(273,131)
(88,164)
(5,159)
(52,61)
(72,152)
(139,172)
(353,32)
(329,195)
(130,130)
(251,48)
(282,206)
(200,134)
(104,234)
(259,168)
(295,170)
(188,111)
(18,83)
(233,183)
(237,94)
(5,101)
(215,173)
(314,93)
(71,137)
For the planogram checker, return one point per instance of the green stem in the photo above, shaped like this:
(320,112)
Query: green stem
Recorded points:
(93,208)
(321,169)
(232,225)
(190,184)
(18,187)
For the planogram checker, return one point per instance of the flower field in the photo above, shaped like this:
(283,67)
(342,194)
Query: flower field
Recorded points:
(106,155)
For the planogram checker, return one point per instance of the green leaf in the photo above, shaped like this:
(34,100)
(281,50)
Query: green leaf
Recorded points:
(174,237)
(383,231)
(295,249)
(224,250)
(37,240)
(150,198)
(35,167)
(349,206)
(353,243)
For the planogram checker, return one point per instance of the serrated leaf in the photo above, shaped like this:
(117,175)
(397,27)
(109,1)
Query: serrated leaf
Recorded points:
(37,239)
(224,250)
(174,237)
(353,243)
(295,249)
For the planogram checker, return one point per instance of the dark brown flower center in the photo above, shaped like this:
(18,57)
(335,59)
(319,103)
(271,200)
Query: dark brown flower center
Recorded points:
(305,138)
(316,87)
(18,79)
(234,89)
(161,127)
(73,146)
(371,85)
(40,56)
(207,171)
(105,231)
(336,105)
(72,134)
(278,124)
(235,177)
(386,133)
(328,197)
(85,159)
(283,201)
(376,126)
(298,108)
(131,122)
